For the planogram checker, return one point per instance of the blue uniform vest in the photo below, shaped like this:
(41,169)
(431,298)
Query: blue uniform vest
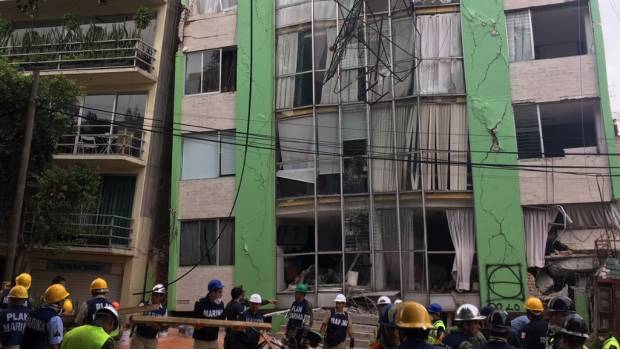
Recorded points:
(36,334)
(4,299)
(149,331)
(205,308)
(251,336)
(336,328)
(455,339)
(12,325)
(296,314)
(95,304)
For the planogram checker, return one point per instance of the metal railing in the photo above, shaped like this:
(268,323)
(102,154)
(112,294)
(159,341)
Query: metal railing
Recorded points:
(121,53)
(102,140)
(95,230)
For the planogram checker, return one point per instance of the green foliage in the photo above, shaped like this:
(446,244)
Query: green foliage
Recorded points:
(31,7)
(71,22)
(59,192)
(144,16)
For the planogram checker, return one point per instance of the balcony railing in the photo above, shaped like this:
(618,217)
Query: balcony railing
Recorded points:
(122,53)
(98,140)
(96,230)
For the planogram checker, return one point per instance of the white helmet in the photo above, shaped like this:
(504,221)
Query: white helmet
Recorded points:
(256,299)
(468,312)
(340,298)
(384,301)
(397,301)
(110,310)
(159,289)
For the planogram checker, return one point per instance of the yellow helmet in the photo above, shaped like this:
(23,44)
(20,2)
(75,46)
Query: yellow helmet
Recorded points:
(55,293)
(67,307)
(534,304)
(99,284)
(24,280)
(413,315)
(18,292)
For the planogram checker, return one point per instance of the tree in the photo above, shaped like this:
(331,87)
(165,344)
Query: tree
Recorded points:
(52,192)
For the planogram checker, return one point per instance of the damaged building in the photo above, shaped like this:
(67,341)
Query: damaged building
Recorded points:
(433,150)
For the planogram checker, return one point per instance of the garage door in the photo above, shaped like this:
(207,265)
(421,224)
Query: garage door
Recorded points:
(79,274)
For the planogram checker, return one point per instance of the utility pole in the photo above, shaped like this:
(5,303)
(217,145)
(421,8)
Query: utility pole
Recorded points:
(18,204)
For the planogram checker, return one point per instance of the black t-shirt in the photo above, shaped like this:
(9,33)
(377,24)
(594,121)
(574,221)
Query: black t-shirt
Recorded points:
(534,334)
(205,308)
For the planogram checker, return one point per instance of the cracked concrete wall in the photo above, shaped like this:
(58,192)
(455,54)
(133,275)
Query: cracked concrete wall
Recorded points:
(498,216)
(204,32)
(197,198)
(255,223)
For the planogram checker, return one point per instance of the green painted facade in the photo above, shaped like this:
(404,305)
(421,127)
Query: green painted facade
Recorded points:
(255,216)
(605,105)
(498,215)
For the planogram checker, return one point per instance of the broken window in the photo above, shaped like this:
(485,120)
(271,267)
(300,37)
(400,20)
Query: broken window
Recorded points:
(200,244)
(208,7)
(550,32)
(549,129)
(208,155)
(211,71)
(354,150)
(296,171)
(329,226)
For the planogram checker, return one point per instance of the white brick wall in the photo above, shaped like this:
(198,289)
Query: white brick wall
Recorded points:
(212,31)
(209,111)
(206,198)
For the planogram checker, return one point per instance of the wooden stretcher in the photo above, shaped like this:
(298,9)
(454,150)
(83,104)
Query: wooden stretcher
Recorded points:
(173,321)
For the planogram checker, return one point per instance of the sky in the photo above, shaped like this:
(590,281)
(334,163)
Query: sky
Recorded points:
(610,17)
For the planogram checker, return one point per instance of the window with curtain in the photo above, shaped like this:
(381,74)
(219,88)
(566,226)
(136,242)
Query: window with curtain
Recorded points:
(208,7)
(208,155)
(200,244)
(211,71)
(296,139)
(519,30)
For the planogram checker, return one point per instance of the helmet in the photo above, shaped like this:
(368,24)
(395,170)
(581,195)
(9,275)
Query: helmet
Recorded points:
(413,315)
(24,280)
(302,288)
(159,289)
(561,304)
(214,285)
(534,305)
(575,325)
(487,310)
(67,307)
(384,300)
(110,311)
(468,312)
(99,285)
(116,305)
(18,292)
(256,299)
(340,298)
(397,301)
(434,309)
(55,293)
(499,321)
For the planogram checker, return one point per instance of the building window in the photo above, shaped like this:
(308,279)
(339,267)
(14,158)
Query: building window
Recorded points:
(550,32)
(211,71)
(548,130)
(209,155)
(200,244)
(208,7)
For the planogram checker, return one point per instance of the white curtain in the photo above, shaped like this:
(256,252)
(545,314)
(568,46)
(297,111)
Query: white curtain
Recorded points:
(296,137)
(407,246)
(458,147)
(385,238)
(350,74)
(536,222)
(287,65)
(205,7)
(291,12)
(329,92)
(461,224)
(382,145)
(519,30)
(441,69)
(593,215)
(406,131)
(329,149)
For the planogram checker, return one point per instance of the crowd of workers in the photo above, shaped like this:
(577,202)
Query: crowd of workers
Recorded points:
(30,323)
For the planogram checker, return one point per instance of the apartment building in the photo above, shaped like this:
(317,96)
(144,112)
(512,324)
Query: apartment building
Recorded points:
(119,66)
(436,150)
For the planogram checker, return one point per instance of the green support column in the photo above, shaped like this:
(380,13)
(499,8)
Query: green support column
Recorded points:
(608,123)
(498,216)
(255,262)
(177,157)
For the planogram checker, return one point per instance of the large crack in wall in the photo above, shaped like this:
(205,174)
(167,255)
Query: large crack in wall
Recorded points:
(498,214)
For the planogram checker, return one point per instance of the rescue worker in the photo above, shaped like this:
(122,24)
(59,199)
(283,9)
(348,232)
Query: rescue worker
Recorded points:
(24,280)
(86,311)
(210,307)
(250,336)
(485,311)
(145,337)
(300,318)
(534,333)
(467,335)
(558,308)
(611,343)
(438,332)
(337,325)
(4,295)
(574,333)
(13,318)
(385,328)
(95,335)
(499,331)
(233,312)
(67,307)
(382,303)
(44,328)
(59,280)
(414,324)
